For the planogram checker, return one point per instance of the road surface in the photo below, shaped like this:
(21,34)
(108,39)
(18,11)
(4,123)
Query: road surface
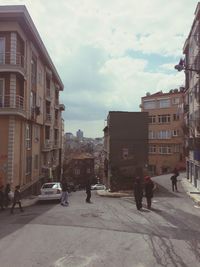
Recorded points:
(110,232)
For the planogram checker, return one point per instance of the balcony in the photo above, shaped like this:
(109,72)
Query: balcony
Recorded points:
(47,145)
(56,143)
(12,105)
(12,62)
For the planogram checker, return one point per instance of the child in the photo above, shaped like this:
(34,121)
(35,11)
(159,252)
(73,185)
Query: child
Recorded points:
(17,199)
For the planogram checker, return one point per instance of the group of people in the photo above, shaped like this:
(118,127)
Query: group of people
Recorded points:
(147,188)
(6,199)
(65,195)
(141,190)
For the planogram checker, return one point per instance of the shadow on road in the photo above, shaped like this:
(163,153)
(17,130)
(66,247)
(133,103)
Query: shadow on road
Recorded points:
(162,191)
(10,223)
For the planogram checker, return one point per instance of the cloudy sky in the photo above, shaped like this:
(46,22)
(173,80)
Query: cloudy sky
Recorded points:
(110,53)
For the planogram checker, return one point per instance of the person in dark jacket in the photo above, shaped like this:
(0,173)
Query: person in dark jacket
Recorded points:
(88,191)
(174,182)
(6,195)
(138,192)
(17,199)
(149,188)
(1,197)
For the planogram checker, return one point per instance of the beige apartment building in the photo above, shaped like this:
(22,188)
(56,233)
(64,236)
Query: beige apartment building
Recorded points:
(31,124)
(165,112)
(191,65)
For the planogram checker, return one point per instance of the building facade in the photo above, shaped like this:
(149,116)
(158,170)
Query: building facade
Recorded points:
(30,112)
(125,148)
(79,169)
(166,140)
(192,100)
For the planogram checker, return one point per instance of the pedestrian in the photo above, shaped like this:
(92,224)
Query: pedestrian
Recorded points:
(2,197)
(174,182)
(17,199)
(138,192)
(6,195)
(64,196)
(88,191)
(149,187)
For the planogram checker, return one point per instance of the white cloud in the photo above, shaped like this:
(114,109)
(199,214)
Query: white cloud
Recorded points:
(89,41)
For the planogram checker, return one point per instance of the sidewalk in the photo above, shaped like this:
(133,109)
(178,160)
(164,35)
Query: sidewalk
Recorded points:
(193,192)
(29,201)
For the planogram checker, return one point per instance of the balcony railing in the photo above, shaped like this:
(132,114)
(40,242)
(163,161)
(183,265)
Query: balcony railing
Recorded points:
(12,101)
(47,144)
(12,60)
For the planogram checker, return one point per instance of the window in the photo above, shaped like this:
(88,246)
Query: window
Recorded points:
(28,165)
(165,149)
(176,100)
(164,134)
(164,103)
(125,153)
(88,170)
(176,148)
(77,171)
(164,118)
(152,149)
(175,132)
(28,137)
(2,50)
(2,92)
(152,119)
(36,133)
(33,72)
(152,135)
(149,104)
(176,117)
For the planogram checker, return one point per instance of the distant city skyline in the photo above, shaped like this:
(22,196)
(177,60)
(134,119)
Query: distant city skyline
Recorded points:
(109,54)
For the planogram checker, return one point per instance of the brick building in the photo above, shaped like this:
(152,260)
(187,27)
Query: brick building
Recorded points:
(166,139)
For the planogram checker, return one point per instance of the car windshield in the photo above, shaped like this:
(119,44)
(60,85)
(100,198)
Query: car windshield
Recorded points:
(49,186)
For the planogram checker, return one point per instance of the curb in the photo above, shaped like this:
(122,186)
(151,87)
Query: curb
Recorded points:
(188,187)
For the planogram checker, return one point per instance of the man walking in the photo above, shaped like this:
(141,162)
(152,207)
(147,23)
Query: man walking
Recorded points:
(88,191)
(64,197)
(138,192)
(17,199)
(174,182)
(149,187)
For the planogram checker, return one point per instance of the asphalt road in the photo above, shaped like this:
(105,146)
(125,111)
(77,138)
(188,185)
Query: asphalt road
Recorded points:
(110,232)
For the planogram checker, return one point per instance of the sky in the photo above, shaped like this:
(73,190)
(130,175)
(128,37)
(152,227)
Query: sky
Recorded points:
(110,53)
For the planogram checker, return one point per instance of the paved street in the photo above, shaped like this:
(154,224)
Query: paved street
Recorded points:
(110,232)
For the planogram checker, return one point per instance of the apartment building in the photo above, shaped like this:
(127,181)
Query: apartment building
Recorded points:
(166,142)
(191,65)
(31,124)
(125,148)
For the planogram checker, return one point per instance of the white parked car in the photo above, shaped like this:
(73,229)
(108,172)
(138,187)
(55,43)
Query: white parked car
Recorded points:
(50,191)
(98,187)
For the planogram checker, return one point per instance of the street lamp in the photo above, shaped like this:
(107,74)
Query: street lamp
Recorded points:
(182,66)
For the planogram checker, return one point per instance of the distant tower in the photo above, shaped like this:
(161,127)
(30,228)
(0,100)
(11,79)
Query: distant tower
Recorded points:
(79,134)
